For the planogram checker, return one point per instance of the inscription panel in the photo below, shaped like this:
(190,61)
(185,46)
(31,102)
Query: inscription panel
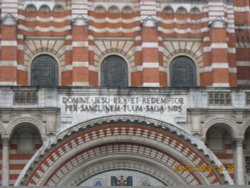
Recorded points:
(107,104)
(77,109)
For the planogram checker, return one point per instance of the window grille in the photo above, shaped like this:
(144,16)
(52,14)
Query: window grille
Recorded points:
(183,72)
(44,71)
(219,98)
(25,97)
(114,72)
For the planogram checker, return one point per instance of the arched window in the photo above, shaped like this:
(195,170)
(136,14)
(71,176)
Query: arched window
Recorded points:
(30,8)
(183,72)
(44,71)
(114,72)
(195,10)
(181,10)
(58,8)
(127,10)
(100,9)
(168,10)
(113,9)
(44,8)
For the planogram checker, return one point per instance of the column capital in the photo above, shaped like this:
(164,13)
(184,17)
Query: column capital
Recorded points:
(80,21)
(149,22)
(218,23)
(239,141)
(5,140)
(10,20)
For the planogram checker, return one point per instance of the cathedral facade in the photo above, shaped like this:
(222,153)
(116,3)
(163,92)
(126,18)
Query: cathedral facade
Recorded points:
(124,92)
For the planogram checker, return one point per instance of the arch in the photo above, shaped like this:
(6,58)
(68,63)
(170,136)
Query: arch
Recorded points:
(127,10)
(44,71)
(114,72)
(195,10)
(162,142)
(218,136)
(181,10)
(113,9)
(29,120)
(168,10)
(2,129)
(44,8)
(245,125)
(226,121)
(183,72)
(58,8)
(31,8)
(26,137)
(100,9)
(247,140)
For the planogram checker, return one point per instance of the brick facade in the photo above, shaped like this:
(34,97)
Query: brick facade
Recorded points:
(151,36)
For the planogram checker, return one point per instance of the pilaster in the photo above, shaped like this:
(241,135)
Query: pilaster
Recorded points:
(8,62)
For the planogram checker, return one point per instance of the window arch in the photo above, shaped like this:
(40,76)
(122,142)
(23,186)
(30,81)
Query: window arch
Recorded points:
(114,72)
(168,10)
(181,10)
(44,8)
(127,10)
(30,8)
(113,9)
(100,9)
(195,10)
(44,71)
(183,72)
(58,8)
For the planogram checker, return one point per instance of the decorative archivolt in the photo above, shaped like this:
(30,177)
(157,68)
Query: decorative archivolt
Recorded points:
(122,47)
(190,48)
(34,47)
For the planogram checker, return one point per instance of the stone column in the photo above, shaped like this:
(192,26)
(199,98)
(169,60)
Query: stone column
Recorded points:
(5,162)
(240,169)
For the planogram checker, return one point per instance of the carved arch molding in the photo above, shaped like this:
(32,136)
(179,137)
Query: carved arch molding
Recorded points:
(131,143)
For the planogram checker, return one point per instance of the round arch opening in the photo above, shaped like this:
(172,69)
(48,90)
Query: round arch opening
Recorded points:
(148,146)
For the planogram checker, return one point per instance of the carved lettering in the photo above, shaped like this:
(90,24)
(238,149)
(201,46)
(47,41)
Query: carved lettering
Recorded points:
(107,104)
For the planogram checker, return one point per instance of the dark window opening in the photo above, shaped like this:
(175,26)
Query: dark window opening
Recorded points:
(114,72)
(183,72)
(44,71)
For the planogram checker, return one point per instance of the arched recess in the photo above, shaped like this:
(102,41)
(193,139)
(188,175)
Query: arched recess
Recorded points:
(227,121)
(134,143)
(26,120)
(26,138)
(218,137)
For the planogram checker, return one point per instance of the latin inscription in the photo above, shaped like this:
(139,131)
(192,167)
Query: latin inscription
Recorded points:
(108,104)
